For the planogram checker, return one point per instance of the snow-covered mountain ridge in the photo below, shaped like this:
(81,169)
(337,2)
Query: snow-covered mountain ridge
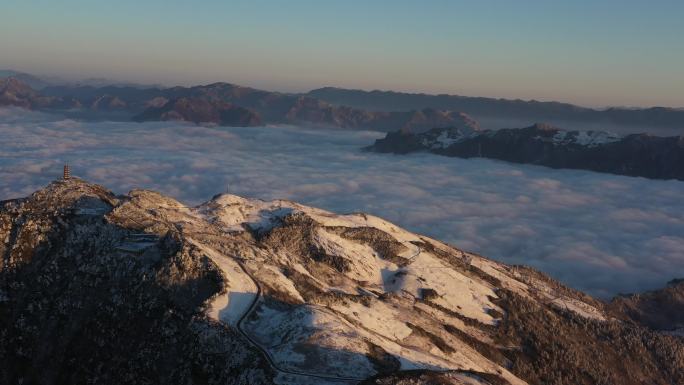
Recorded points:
(542,144)
(241,290)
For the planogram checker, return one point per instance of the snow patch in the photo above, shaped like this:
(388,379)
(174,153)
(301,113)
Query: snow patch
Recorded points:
(585,138)
(240,290)
(232,212)
(378,317)
(274,277)
(448,137)
(456,291)
(309,339)
(363,259)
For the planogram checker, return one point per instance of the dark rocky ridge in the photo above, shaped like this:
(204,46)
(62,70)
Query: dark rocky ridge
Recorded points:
(634,155)
(74,309)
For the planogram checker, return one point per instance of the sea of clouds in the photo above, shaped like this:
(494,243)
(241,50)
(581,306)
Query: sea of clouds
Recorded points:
(597,232)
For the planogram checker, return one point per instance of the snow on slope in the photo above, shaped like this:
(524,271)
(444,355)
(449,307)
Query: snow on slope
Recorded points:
(240,290)
(310,339)
(233,212)
(339,304)
(585,138)
(323,298)
(455,291)
(366,265)
(448,137)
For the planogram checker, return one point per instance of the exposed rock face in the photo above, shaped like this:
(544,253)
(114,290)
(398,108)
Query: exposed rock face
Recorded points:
(99,288)
(532,110)
(635,155)
(202,111)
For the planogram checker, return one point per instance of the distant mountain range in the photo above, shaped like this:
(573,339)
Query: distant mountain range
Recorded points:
(528,110)
(38,83)
(330,107)
(219,103)
(635,155)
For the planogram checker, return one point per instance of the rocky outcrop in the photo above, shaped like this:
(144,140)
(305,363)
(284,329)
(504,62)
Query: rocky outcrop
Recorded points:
(139,288)
(634,155)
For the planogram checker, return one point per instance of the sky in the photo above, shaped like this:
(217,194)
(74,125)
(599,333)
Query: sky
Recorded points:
(600,233)
(588,52)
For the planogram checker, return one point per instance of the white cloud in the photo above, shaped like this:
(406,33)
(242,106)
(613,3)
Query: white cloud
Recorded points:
(598,232)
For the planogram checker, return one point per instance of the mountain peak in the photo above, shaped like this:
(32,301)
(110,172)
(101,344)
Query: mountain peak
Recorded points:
(308,294)
(12,85)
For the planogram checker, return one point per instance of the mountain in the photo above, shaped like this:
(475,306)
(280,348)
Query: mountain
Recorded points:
(201,111)
(135,99)
(31,80)
(343,108)
(138,288)
(532,110)
(206,103)
(14,92)
(17,93)
(279,108)
(541,144)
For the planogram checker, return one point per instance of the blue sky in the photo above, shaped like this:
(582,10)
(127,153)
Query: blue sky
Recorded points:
(588,52)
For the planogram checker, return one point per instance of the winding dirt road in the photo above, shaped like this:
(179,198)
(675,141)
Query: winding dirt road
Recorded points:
(264,351)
